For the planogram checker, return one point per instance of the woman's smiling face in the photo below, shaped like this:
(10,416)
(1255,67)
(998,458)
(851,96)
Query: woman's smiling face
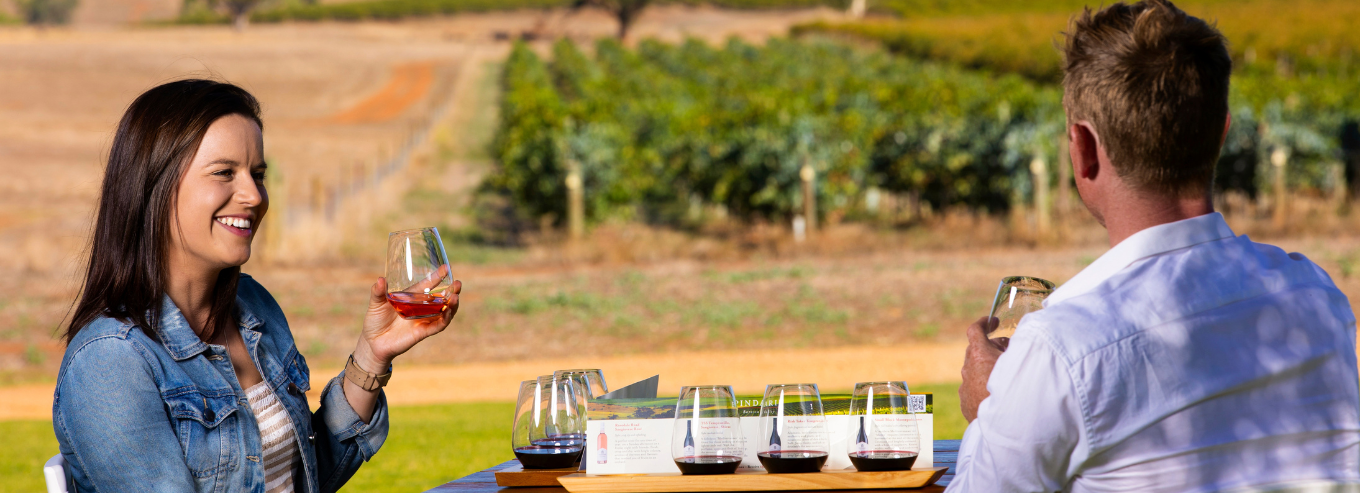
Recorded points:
(221,198)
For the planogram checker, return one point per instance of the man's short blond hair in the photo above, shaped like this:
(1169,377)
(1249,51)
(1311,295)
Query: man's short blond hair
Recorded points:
(1153,81)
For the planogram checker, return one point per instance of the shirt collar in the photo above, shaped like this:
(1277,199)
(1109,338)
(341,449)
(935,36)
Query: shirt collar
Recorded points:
(1149,242)
(179,338)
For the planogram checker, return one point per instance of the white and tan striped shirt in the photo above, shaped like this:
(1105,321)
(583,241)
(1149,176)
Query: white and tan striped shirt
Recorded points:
(277,439)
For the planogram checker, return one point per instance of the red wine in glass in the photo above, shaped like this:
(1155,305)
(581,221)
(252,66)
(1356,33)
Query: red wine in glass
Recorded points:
(548,457)
(883,460)
(562,440)
(792,461)
(707,465)
(417,305)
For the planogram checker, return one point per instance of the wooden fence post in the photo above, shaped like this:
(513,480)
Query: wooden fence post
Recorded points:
(809,177)
(1039,168)
(318,196)
(1064,177)
(1279,159)
(576,214)
(1339,188)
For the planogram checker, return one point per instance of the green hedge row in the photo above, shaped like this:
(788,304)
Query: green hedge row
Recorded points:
(663,129)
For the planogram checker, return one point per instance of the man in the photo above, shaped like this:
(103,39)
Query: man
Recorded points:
(1186,358)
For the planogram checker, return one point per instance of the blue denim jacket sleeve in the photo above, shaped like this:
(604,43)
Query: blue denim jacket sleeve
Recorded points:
(115,391)
(349,441)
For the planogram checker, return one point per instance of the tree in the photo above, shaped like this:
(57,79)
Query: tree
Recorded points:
(46,12)
(857,8)
(239,10)
(627,11)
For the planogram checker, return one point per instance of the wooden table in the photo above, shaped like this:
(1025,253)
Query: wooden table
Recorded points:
(946,452)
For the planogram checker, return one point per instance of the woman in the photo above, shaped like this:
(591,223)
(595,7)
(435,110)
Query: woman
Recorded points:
(180,372)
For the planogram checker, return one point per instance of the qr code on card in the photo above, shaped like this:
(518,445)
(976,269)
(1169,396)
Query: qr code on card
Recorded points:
(916,403)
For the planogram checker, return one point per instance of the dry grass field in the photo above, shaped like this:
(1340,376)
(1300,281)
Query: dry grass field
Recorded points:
(341,102)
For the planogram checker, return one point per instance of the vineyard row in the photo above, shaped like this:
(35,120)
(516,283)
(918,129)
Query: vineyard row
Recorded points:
(663,131)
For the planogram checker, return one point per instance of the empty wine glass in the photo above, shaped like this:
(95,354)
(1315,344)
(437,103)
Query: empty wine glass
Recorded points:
(579,389)
(1016,296)
(706,438)
(886,437)
(793,434)
(594,380)
(548,433)
(418,275)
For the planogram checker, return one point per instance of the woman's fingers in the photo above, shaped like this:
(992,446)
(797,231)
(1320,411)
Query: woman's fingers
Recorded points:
(432,280)
(377,295)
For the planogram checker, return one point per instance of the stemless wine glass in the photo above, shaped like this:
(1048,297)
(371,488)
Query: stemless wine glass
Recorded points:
(579,389)
(594,380)
(526,408)
(418,275)
(1016,296)
(706,438)
(793,434)
(555,432)
(886,437)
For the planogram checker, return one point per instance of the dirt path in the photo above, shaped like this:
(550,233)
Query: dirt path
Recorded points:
(408,85)
(747,371)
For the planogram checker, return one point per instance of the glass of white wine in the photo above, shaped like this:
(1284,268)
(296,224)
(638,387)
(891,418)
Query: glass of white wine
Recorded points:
(1016,296)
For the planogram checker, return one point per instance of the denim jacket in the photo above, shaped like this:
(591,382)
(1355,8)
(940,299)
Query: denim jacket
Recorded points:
(136,414)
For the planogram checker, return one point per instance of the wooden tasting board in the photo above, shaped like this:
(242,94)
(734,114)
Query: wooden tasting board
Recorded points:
(517,475)
(750,481)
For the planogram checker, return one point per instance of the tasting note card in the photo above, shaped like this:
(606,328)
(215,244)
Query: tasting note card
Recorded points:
(633,436)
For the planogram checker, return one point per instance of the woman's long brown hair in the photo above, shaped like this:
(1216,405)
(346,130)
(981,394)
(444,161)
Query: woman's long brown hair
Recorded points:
(157,138)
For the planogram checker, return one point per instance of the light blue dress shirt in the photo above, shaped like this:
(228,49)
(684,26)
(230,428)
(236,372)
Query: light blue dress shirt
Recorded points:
(1185,359)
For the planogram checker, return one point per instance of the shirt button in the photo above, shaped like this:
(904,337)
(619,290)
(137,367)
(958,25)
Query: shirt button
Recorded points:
(209,415)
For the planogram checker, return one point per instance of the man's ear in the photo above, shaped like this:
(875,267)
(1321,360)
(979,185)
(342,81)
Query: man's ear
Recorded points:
(1085,150)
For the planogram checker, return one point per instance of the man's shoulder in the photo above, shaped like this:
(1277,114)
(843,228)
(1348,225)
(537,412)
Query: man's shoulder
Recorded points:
(1174,286)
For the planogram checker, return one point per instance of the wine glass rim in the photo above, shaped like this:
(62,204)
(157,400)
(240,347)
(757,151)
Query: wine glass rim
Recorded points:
(683,387)
(1047,284)
(772,385)
(882,382)
(414,230)
(578,370)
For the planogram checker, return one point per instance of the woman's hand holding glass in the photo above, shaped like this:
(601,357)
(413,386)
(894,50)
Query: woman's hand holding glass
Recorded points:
(417,269)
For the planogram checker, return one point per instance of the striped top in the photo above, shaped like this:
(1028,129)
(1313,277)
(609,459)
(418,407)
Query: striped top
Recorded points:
(277,439)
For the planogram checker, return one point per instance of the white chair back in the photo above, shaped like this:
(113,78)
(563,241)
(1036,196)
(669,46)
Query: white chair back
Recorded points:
(54,471)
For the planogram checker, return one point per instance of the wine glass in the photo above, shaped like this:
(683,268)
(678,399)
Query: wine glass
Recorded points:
(525,409)
(886,437)
(1016,296)
(594,381)
(793,434)
(552,436)
(579,388)
(706,438)
(418,275)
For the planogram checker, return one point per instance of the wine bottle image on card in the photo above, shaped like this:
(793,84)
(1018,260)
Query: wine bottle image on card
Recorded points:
(775,443)
(602,454)
(689,439)
(862,439)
